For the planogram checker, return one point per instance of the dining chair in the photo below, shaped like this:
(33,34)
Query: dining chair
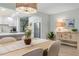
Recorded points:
(7,40)
(35,52)
(53,49)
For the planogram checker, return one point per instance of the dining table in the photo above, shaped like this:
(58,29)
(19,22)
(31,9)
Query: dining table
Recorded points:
(19,48)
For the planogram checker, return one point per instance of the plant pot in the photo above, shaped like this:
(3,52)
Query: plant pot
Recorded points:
(27,41)
(52,39)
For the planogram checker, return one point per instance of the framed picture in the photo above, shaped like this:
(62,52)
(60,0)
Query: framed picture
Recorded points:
(70,23)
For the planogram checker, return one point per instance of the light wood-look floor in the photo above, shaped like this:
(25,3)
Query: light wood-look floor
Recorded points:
(68,51)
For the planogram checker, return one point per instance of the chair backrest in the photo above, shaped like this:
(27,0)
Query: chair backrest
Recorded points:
(7,40)
(34,52)
(53,49)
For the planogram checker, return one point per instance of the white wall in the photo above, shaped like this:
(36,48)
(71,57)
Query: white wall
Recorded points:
(44,20)
(68,14)
(34,19)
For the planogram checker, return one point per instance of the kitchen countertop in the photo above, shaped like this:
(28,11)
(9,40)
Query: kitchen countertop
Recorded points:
(4,34)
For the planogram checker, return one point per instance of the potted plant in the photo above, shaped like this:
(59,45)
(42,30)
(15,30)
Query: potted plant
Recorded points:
(51,35)
(74,30)
(27,39)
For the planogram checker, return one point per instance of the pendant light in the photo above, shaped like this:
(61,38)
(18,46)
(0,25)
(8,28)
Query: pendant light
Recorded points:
(28,8)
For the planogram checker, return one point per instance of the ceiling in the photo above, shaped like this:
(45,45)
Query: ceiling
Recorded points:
(53,8)
(48,8)
(6,9)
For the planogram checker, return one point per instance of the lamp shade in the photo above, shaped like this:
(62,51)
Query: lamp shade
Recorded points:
(60,23)
(29,8)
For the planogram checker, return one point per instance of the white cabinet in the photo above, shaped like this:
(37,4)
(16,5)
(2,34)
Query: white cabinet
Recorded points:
(4,28)
(68,38)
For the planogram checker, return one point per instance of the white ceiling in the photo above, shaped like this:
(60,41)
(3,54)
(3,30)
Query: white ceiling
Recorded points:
(6,12)
(7,9)
(49,8)
(53,8)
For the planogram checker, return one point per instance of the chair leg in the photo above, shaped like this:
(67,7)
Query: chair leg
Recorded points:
(45,53)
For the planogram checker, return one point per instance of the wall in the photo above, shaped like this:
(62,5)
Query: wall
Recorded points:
(44,20)
(67,14)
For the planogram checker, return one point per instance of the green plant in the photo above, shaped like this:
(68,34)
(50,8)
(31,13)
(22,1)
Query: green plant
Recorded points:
(74,30)
(51,35)
(28,32)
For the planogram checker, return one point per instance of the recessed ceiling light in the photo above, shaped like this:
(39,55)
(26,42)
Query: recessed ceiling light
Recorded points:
(2,9)
(10,18)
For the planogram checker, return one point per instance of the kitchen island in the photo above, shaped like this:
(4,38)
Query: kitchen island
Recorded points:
(16,35)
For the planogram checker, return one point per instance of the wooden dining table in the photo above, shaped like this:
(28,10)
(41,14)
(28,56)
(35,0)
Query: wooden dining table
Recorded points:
(21,48)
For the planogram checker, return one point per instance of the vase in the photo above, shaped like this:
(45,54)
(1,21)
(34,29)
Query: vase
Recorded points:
(27,41)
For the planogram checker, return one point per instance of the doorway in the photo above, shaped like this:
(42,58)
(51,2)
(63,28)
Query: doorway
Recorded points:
(37,30)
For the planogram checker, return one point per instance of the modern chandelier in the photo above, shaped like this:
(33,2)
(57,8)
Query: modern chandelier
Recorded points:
(28,8)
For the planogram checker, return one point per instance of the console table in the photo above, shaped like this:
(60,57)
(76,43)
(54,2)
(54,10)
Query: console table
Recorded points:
(68,38)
